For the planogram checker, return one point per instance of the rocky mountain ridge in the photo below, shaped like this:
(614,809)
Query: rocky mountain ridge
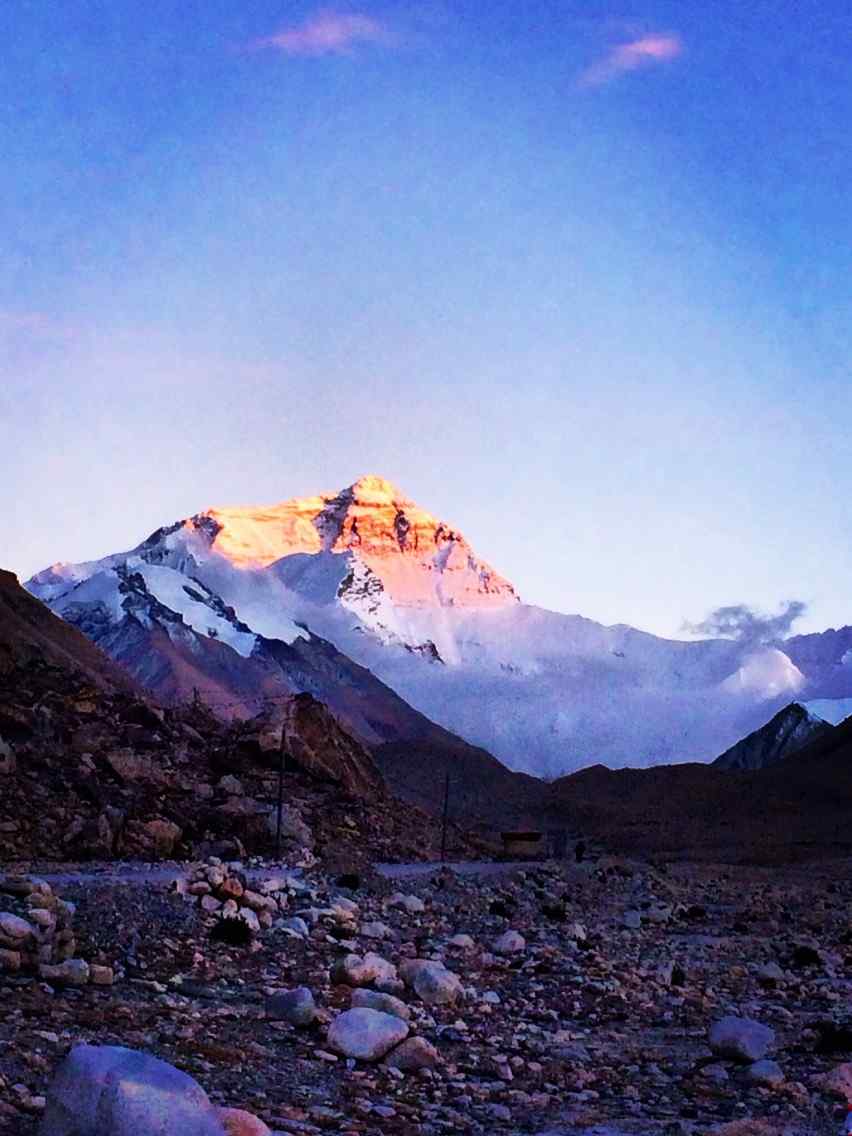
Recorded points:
(790,730)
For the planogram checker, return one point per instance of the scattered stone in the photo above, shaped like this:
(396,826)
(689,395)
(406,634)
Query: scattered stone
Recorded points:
(385,1003)
(296,925)
(72,972)
(366,1034)
(462,943)
(376,931)
(353,970)
(294,1006)
(509,943)
(413,1054)
(432,982)
(741,1039)
(770,974)
(13,929)
(837,1082)
(766,1073)
(236,1122)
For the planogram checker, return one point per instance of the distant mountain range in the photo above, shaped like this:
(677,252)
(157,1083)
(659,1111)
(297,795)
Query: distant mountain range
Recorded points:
(386,613)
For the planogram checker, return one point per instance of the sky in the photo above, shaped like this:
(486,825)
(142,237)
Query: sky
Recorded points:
(576,276)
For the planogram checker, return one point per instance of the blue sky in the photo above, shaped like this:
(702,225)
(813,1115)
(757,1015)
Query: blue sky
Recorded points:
(575,275)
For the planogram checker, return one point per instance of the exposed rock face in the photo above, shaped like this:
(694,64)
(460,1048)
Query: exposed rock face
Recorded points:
(407,553)
(315,741)
(91,768)
(789,731)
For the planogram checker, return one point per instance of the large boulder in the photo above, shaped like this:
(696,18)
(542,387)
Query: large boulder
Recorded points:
(741,1039)
(112,1091)
(366,1034)
(317,743)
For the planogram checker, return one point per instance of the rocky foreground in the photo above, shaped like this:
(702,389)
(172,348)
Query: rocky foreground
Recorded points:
(551,999)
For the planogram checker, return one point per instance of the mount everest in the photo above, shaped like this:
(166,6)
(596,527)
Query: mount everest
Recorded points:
(368,601)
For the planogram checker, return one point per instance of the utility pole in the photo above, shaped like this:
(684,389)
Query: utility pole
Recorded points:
(281,763)
(444,818)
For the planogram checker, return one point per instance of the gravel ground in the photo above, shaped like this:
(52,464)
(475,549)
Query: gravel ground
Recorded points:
(591,1022)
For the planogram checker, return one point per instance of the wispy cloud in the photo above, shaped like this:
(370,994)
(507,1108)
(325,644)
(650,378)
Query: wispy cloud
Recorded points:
(329,32)
(746,625)
(635,55)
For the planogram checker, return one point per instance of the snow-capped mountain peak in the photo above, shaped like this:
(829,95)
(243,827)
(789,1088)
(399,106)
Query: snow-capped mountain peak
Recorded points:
(225,599)
(417,558)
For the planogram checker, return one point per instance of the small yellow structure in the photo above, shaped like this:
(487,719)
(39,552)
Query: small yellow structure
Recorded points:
(522,845)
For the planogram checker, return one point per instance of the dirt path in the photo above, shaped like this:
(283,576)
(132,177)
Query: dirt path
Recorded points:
(139,874)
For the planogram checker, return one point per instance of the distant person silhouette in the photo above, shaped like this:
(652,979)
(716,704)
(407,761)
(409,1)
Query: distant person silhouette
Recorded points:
(580,851)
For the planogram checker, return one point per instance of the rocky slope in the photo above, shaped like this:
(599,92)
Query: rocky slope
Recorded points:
(91,767)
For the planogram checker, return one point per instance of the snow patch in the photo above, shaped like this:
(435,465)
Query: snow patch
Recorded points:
(194,603)
(765,674)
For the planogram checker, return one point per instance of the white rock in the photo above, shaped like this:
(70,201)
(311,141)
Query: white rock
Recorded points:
(295,925)
(413,904)
(366,1034)
(431,980)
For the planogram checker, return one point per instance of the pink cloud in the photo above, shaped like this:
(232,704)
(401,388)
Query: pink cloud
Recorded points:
(329,33)
(640,53)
